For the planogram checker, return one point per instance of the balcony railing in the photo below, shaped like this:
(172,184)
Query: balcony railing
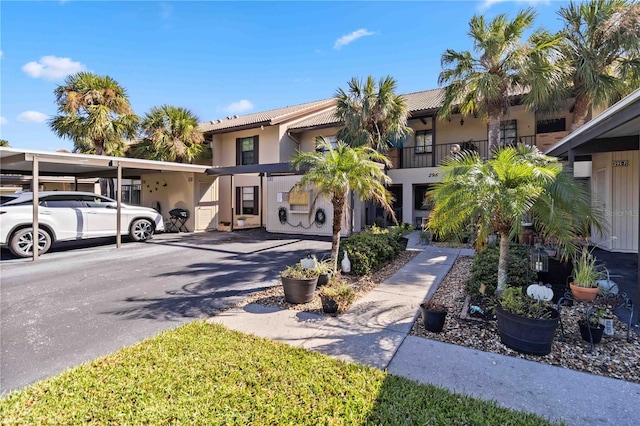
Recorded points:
(431,156)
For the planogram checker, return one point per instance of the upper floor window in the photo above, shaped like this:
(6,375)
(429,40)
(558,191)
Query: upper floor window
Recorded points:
(332,141)
(552,125)
(423,142)
(508,132)
(247,151)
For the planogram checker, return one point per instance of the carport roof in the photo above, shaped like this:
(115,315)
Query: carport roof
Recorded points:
(20,162)
(267,169)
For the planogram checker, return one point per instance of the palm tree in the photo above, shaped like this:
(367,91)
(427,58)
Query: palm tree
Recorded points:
(112,148)
(4,142)
(600,45)
(93,108)
(95,114)
(373,115)
(496,194)
(171,134)
(333,172)
(504,66)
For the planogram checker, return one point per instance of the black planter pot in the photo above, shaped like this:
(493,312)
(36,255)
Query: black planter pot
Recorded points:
(596,332)
(433,320)
(559,290)
(527,335)
(323,279)
(329,306)
(403,241)
(299,290)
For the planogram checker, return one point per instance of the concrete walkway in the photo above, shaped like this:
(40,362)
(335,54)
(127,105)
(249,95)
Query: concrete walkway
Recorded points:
(374,331)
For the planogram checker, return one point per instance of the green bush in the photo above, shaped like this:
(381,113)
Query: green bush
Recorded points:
(369,251)
(485,269)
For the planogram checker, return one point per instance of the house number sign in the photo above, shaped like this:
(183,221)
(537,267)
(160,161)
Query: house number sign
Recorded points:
(620,163)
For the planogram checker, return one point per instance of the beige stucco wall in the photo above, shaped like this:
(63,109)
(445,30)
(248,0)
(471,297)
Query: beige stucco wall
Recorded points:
(172,190)
(224,145)
(301,223)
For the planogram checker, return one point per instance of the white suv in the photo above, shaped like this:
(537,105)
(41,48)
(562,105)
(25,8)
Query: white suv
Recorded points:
(67,215)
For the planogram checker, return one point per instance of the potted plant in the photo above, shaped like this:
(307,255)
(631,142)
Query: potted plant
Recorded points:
(526,324)
(399,231)
(586,273)
(593,330)
(242,220)
(433,315)
(299,283)
(324,268)
(337,295)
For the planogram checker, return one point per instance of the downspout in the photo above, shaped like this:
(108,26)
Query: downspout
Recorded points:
(232,190)
(261,199)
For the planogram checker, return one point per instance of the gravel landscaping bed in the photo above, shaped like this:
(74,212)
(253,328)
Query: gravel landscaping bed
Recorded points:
(613,357)
(274,296)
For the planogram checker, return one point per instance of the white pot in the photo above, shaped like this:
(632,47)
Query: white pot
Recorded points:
(242,222)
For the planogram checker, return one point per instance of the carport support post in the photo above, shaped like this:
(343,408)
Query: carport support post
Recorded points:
(119,206)
(34,189)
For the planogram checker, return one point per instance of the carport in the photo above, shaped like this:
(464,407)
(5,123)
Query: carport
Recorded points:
(42,163)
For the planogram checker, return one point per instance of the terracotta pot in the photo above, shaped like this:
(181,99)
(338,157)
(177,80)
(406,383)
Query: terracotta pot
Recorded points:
(584,294)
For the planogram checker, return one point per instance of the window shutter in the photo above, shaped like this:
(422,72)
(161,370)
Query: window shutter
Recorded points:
(256,196)
(256,159)
(238,200)
(238,151)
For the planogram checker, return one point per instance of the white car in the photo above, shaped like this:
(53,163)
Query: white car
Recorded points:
(70,215)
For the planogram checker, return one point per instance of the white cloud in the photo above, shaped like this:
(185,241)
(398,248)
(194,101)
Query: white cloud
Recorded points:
(32,117)
(53,68)
(3,121)
(240,106)
(1,53)
(350,38)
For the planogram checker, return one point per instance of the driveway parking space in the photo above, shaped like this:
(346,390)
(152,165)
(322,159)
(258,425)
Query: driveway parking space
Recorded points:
(74,305)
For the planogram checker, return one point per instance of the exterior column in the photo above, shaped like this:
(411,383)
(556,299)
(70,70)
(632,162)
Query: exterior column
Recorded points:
(407,203)
(34,190)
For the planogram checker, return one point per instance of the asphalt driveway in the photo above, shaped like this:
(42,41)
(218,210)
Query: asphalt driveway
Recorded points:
(72,306)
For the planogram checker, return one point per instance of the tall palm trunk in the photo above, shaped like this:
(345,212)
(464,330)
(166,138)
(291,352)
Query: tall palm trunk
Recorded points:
(493,133)
(502,262)
(338,210)
(580,111)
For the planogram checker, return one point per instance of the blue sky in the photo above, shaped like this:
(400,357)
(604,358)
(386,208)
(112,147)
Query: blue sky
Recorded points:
(223,58)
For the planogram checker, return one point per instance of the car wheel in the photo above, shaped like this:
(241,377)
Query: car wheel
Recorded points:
(141,230)
(21,243)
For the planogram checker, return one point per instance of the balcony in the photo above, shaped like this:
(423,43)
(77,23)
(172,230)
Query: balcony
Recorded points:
(431,156)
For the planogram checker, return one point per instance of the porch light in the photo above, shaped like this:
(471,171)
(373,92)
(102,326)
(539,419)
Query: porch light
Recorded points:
(539,260)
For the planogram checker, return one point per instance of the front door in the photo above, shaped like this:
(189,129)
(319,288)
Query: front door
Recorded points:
(206,207)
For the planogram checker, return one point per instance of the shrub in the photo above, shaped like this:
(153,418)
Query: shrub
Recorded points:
(368,251)
(485,269)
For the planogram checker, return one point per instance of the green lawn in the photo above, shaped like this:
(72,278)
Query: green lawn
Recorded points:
(202,373)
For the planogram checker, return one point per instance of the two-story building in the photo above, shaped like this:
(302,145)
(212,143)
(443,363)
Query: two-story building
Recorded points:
(251,154)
